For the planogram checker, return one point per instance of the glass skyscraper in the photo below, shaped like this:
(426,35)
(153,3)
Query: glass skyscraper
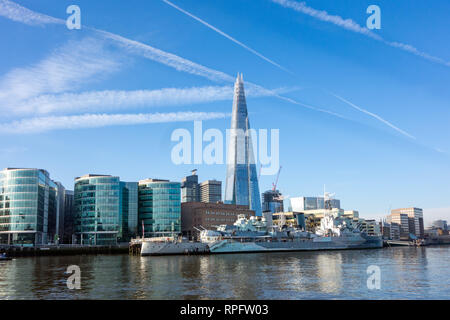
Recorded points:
(241,181)
(103,207)
(29,207)
(159,207)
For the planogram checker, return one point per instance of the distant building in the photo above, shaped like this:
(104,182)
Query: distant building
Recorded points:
(130,203)
(370,226)
(208,215)
(402,220)
(160,207)
(415,220)
(439,224)
(395,231)
(69,217)
(391,231)
(353,214)
(190,189)
(102,209)
(292,219)
(272,201)
(299,204)
(30,209)
(211,191)
(59,223)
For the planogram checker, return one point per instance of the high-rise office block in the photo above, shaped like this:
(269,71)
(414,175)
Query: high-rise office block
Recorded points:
(190,189)
(415,220)
(29,207)
(101,205)
(272,201)
(131,201)
(242,180)
(300,204)
(159,207)
(211,191)
(69,217)
(402,220)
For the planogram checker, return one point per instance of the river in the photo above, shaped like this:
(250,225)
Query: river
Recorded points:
(404,273)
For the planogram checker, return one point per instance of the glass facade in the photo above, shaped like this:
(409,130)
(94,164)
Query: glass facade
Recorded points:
(101,207)
(313,203)
(190,189)
(159,207)
(131,204)
(272,201)
(242,181)
(29,208)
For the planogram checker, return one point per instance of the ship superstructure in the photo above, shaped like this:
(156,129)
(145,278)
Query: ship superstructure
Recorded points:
(253,235)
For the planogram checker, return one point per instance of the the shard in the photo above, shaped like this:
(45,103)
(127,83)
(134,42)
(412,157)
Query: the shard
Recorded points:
(242,181)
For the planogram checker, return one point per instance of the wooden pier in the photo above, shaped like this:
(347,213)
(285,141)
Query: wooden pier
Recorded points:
(135,247)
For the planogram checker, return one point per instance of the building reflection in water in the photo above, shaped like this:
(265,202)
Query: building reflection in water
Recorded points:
(406,273)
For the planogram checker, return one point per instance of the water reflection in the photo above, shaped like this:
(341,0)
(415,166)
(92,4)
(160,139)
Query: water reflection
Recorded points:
(409,273)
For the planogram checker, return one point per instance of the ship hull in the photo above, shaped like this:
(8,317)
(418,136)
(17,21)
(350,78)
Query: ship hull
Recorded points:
(150,248)
(231,246)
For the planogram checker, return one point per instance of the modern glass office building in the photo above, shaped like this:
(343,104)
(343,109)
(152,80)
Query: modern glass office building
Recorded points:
(272,201)
(102,209)
(130,203)
(299,204)
(29,207)
(159,207)
(242,181)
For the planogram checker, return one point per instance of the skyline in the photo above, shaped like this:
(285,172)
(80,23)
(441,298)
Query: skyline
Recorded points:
(368,134)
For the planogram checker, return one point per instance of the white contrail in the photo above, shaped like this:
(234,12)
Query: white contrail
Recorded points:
(43,124)
(375,116)
(166,58)
(226,35)
(15,12)
(351,25)
(157,55)
(66,68)
(105,100)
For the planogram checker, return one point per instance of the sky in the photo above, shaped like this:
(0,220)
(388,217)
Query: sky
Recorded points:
(363,112)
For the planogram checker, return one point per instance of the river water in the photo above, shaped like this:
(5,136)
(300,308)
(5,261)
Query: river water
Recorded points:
(404,273)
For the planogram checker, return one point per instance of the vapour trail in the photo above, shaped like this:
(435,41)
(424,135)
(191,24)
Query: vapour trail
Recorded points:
(375,116)
(226,36)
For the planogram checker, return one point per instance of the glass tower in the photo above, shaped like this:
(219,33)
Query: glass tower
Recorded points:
(29,208)
(159,207)
(241,181)
(102,209)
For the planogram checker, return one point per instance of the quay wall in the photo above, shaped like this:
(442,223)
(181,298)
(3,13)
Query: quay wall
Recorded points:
(60,250)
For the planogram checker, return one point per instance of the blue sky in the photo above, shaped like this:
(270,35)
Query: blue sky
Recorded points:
(392,152)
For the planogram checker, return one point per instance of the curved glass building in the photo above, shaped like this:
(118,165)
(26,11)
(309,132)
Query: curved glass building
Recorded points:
(160,207)
(102,209)
(29,208)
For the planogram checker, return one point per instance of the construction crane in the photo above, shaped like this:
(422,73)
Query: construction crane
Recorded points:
(276,181)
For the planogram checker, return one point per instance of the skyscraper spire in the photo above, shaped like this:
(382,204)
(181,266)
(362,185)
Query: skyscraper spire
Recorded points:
(242,181)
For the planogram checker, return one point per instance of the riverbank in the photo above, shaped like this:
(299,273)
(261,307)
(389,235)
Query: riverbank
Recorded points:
(132,248)
(62,250)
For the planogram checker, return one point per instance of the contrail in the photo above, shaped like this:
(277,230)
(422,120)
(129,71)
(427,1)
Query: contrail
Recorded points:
(226,35)
(15,12)
(353,26)
(44,124)
(375,116)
